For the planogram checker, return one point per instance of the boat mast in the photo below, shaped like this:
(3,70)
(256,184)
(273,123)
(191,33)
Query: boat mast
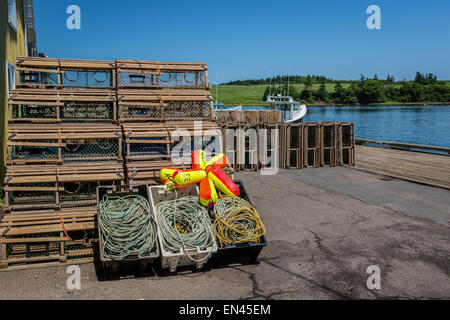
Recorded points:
(281,81)
(288,85)
(217,88)
(270,85)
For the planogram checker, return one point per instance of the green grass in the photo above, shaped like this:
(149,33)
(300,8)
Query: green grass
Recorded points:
(252,95)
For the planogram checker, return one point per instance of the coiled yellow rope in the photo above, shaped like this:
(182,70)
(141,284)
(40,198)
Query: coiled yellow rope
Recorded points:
(236,221)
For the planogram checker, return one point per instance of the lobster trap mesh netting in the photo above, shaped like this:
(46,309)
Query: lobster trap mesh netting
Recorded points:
(148,149)
(137,112)
(73,78)
(90,149)
(82,248)
(34,152)
(72,112)
(80,194)
(69,78)
(33,112)
(29,197)
(183,147)
(34,77)
(89,111)
(33,249)
(182,110)
(173,111)
(166,79)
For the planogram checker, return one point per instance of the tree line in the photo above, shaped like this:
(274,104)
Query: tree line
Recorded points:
(295,79)
(424,88)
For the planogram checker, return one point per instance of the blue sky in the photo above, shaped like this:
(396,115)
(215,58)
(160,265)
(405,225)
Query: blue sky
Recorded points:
(256,38)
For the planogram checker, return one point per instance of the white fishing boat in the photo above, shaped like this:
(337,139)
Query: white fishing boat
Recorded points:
(291,111)
(218,107)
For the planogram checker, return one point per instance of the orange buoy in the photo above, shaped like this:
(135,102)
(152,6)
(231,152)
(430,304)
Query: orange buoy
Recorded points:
(208,193)
(208,173)
(222,181)
(198,159)
(218,161)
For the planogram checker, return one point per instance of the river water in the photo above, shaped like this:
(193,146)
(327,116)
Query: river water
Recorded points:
(428,125)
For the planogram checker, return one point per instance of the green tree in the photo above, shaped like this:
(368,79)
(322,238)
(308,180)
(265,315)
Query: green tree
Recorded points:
(338,94)
(307,96)
(266,93)
(308,82)
(411,92)
(321,93)
(370,92)
(362,78)
(419,78)
(390,79)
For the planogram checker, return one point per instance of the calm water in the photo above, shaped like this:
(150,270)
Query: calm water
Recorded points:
(429,125)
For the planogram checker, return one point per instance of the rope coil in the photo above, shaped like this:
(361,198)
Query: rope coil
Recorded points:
(236,221)
(184,224)
(127,225)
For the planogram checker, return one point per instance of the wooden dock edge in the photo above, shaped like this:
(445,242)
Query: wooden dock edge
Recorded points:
(419,167)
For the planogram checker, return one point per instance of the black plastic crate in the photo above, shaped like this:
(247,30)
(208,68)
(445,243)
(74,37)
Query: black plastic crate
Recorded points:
(113,265)
(239,253)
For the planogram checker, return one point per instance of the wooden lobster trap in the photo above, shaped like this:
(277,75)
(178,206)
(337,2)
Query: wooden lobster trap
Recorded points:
(240,142)
(230,141)
(311,144)
(54,106)
(39,143)
(40,187)
(146,141)
(346,144)
(269,149)
(145,105)
(77,184)
(159,74)
(329,143)
(50,237)
(294,146)
(147,172)
(189,135)
(31,187)
(38,72)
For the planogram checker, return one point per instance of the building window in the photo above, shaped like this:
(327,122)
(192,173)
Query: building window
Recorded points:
(11,76)
(12,14)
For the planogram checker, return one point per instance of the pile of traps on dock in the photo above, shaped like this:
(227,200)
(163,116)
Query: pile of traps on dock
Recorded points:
(84,134)
(75,125)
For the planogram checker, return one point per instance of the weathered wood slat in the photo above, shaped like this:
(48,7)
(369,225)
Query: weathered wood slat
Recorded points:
(425,168)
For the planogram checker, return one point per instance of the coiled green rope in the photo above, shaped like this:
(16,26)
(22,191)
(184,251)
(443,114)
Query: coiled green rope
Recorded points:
(127,226)
(184,224)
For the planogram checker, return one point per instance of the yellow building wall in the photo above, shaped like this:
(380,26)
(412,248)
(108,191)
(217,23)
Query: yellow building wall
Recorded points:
(12,45)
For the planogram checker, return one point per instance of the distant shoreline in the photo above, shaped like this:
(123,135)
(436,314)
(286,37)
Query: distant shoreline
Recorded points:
(424,104)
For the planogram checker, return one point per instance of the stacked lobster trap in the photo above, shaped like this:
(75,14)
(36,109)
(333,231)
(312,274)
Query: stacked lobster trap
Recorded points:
(318,144)
(65,73)
(162,107)
(254,146)
(75,125)
(63,142)
(59,106)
